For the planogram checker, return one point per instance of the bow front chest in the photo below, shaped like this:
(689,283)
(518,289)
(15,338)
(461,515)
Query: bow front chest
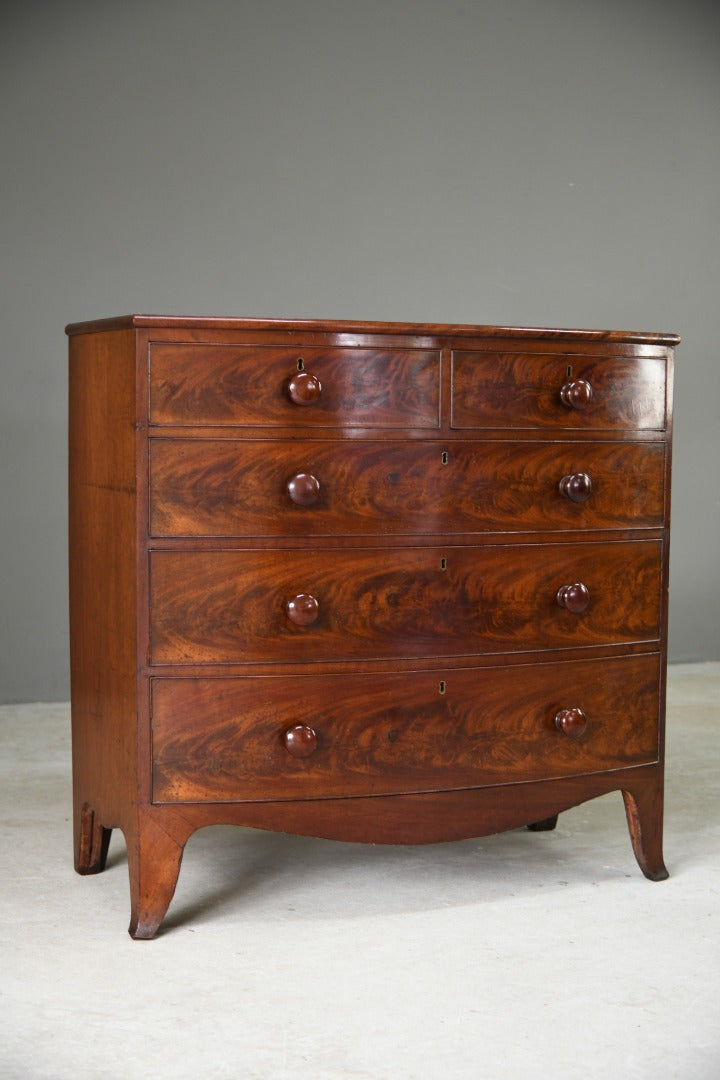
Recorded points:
(366,581)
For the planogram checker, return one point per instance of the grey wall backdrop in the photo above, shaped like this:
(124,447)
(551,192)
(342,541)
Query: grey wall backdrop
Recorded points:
(539,162)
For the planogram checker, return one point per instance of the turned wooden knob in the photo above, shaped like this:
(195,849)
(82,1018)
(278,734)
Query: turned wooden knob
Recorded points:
(300,741)
(571,722)
(577,487)
(303,489)
(302,609)
(574,598)
(576,394)
(304,388)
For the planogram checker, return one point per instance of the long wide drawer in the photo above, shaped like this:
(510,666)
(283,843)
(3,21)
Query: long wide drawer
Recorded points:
(217,740)
(304,387)
(534,390)
(241,606)
(204,487)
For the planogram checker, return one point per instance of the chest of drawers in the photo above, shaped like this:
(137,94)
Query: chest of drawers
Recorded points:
(376,582)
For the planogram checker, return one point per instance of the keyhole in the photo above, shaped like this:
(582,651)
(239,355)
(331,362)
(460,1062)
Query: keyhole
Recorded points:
(568,373)
(444,457)
(443,563)
(300,364)
(442,687)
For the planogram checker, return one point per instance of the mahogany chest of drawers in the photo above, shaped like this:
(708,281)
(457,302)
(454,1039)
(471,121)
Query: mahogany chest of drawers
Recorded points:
(376,582)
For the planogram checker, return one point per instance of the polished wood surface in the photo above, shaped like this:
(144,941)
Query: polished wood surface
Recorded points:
(577,487)
(154,857)
(103,613)
(231,606)
(303,388)
(189,325)
(520,390)
(574,598)
(576,393)
(300,740)
(385,734)
(378,582)
(573,722)
(202,487)
(263,385)
(303,489)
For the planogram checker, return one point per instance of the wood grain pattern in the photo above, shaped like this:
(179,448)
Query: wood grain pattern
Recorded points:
(222,739)
(201,487)
(102,550)
(189,325)
(428,817)
(155,845)
(644,811)
(229,606)
(232,384)
(523,390)
(155,853)
(396,542)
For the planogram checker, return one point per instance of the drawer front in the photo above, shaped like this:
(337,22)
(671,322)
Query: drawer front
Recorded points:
(217,740)
(247,606)
(294,386)
(203,487)
(530,390)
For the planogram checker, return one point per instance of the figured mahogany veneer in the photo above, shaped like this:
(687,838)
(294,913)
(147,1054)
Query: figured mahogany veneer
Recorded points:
(397,733)
(202,487)
(270,386)
(378,582)
(520,390)
(231,606)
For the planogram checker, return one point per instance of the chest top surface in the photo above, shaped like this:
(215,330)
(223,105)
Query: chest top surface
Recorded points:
(178,322)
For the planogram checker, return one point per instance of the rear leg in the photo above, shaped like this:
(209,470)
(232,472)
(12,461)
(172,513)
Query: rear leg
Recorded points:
(546,825)
(92,840)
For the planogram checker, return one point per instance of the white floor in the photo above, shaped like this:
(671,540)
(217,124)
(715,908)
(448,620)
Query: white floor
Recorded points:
(524,955)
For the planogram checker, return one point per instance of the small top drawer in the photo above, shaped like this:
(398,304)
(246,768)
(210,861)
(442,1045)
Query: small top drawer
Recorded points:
(542,390)
(313,387)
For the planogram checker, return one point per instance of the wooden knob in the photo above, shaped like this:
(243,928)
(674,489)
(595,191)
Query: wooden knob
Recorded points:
(576,394)
(577,487)
(300,741)
(574,598)
(571,722)
(304,388)
(302,609)
(303,489)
